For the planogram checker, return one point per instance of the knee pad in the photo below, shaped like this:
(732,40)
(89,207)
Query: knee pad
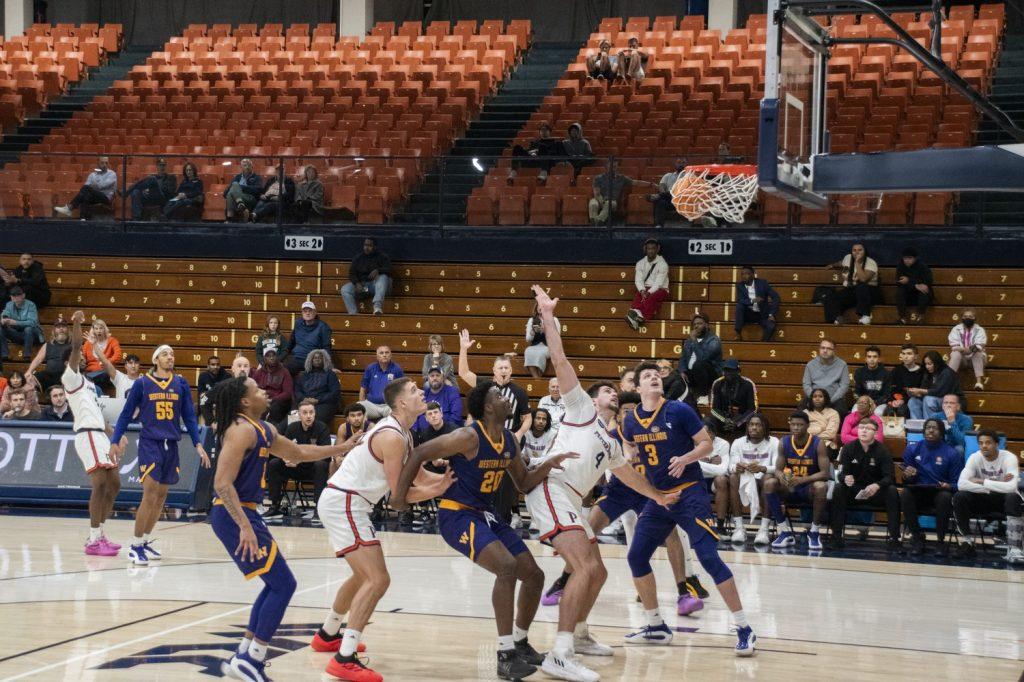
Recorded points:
(707,554)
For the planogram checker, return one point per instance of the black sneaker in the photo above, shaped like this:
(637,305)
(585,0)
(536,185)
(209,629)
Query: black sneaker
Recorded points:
(512,667)
(893,545)
(835,543)
(527,653)
(917,546)
(273,513)
(406,518)
(693,582)
(965,550)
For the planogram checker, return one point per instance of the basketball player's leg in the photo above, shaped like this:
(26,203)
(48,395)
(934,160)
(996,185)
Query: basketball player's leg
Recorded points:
(367,562)
(691,593)
(652,529)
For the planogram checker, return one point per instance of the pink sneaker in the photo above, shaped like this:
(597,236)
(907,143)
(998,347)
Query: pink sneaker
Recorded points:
(112,545)
(688,604)
(551,598)
(99,548)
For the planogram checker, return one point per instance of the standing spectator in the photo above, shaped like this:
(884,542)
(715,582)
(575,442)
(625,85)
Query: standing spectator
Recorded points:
(701,360)
(905,376)
(553,404)
(31,277)
(913,286)
(539,154)
(860,288)
(989,483)
(19,323)
(18,410)
(310,333)
(863,409)
(828,371)
(153,191)
(190,196)
(756,303)
(865,477)
(602,65)
(967,341)
(436,357)
(98,190)
(51,356)
(431,424)
(447,398)
(956,422)
(577,148)
(608,188)
(651,281)
(58,409)
(632,61)
(272,337)
(25,385)
(242,194)
(824,421)
(369,275)
(662,199)
(99,340)
(535,355)
(872,379)
(375,379)
(536,441)
(308,430)
(309,197)
(930,470)
(733,400)
(319,382)
(274,197)
(208,378)
(273,378)
(939,380)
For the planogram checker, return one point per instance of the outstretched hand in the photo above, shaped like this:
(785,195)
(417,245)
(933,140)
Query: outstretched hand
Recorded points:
(556,461)
(78,317)
(545,304)
(465,343)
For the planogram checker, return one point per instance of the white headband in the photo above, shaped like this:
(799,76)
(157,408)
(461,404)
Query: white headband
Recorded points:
(160,349)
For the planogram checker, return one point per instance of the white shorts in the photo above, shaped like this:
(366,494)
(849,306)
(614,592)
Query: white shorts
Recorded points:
(555,508)
(93,448)
(346,516)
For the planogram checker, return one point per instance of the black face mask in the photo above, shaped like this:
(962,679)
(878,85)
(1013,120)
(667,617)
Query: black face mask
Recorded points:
(968,322)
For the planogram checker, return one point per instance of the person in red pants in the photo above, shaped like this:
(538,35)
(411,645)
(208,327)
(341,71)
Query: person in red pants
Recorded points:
(651,285)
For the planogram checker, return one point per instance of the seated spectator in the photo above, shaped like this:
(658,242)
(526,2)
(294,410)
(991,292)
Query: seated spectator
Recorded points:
(153,191)
(26,385)
(714,468)
(310,333)
(58,409)
(756,303)
(733,400)
(967,341)
(863,409)
(98,190)
(577,148)
(608,188)
(627,381)
(859,289)
(824,421)
(913,286)
(272,198)
(931,469)
(632,61)
(751,459)
(354,424)
(651,281)
(905,376)
(309,197)
(672,383)
(240,366)
(536,440)
(535,355)
(872,379)
(18,409)
(272,337)
(19,323)
(865,478)
(99,340)
(190,197)
(375,379)
(431,424)
(828,371)
(938,381)
(319,382)
(208,378)
(956,422)
(662,199)
(801,475)
(31,277)
(51,356)
(701,361)
(554,404)
(273,378)
(436,357)
(989,483)
(242,193)
(308,430)
(368,276)
(447,397)
(541,153)
(602,64)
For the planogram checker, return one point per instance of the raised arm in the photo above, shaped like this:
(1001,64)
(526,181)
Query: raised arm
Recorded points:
(232,449)
(462,441)
(465,343)
(37,360)
(76,341)
(553,336)
(108,366)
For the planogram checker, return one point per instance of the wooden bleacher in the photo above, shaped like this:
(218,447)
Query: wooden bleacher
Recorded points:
(205,307)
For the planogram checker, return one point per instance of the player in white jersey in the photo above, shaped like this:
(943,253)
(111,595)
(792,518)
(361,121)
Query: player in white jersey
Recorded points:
(91,443)
(557,503)
(369,470)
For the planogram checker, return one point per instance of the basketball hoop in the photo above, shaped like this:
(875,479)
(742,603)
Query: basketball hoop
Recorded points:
(721,190)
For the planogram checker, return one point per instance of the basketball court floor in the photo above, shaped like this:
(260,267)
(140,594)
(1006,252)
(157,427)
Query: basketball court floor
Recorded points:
(67,616)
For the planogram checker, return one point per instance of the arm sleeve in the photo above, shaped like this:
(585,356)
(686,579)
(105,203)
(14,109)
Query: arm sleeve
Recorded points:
(969,471)
(131,403)
(188,412)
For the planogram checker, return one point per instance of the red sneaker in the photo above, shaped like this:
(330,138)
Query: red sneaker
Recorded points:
(352,670)
(324,644)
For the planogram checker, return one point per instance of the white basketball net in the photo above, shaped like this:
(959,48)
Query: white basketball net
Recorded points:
(723,193)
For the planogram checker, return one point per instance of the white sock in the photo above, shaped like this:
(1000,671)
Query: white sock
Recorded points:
(654,618)
(244,645)
(137,540)
(740,619)
(814,527)
(519,634)
(563,644)
(764,523)
(146,538)
(349,642)
(506,643)
(95,534)
(257,651)
(581,630)
(103,530)
(332,625)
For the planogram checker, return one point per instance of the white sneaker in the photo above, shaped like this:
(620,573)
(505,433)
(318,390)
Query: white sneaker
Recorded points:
(137,555)
(588,646)
(865,319)
(567,668)
(62,211)
(739,536)
(516,522)
(762,537)
(1015,556)
(613,529)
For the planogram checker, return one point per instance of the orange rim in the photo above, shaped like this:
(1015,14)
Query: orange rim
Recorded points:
(724,169)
